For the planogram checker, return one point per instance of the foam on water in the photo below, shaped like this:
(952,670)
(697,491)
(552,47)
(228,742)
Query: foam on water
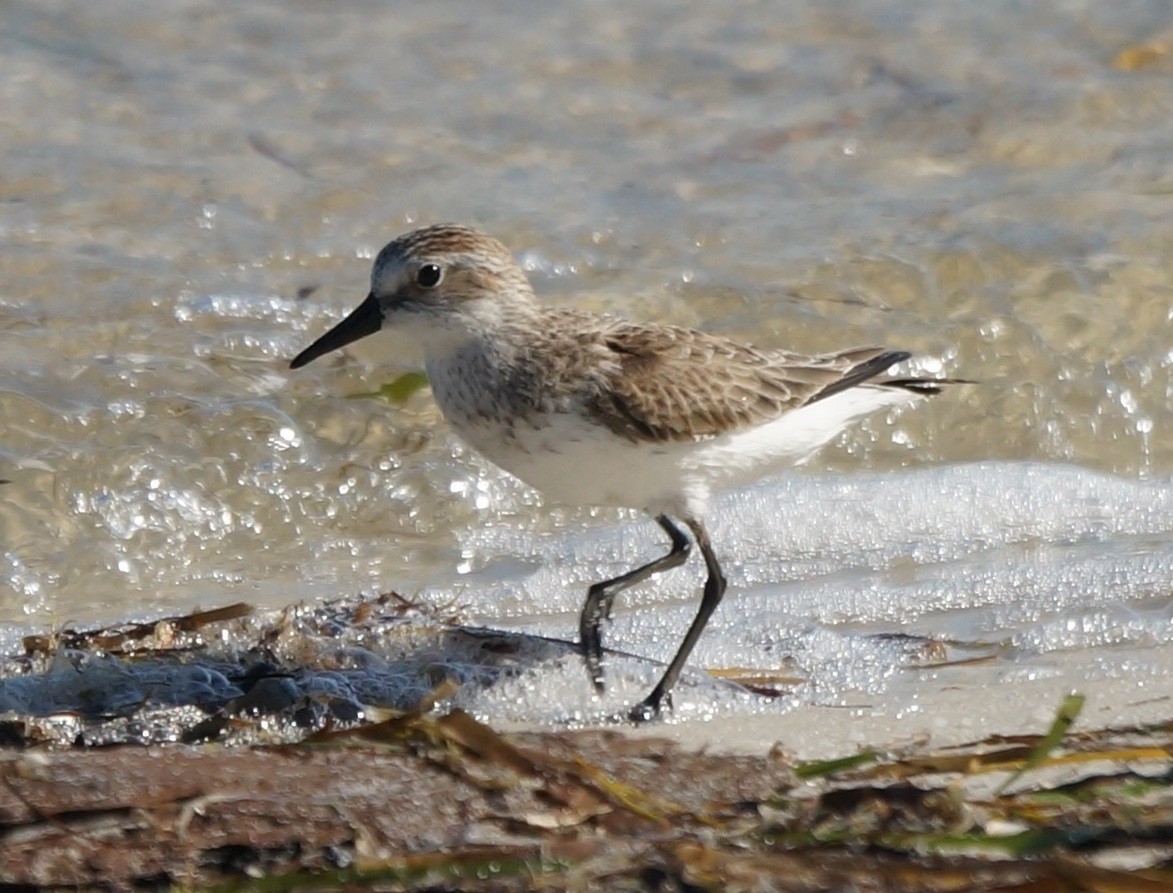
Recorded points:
(842,588)
(1023,559)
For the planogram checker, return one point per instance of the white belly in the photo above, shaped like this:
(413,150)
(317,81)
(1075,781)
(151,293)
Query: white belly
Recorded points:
(576,462)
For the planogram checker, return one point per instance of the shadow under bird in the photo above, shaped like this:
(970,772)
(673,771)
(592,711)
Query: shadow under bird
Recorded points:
(593,409)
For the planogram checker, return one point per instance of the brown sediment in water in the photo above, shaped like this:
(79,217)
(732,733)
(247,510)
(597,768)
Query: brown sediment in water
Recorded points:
(431,799)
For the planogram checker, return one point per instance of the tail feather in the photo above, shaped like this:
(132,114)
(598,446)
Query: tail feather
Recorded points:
(926,386)
(865,372)
(861,373)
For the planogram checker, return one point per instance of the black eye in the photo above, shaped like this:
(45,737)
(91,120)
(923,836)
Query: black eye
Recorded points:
(429,275)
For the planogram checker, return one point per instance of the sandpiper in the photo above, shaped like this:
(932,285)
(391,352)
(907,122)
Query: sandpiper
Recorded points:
(593,409)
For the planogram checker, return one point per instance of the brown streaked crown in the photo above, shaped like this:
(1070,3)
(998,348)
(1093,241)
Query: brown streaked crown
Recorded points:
(445,238)
(466,255)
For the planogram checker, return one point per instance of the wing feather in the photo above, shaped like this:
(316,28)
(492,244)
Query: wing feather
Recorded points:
(664,383)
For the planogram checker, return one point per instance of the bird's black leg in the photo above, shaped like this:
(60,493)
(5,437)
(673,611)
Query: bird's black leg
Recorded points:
(601,597)
(649,708)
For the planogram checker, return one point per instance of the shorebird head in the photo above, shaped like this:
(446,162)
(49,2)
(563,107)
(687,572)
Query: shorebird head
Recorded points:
(435,283)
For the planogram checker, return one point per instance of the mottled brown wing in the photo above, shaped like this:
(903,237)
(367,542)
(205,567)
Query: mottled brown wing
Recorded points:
(671,384)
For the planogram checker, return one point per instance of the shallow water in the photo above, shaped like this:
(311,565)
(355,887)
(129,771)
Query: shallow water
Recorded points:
(193,192)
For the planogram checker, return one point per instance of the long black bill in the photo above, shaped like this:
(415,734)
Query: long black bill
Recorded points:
(364,320)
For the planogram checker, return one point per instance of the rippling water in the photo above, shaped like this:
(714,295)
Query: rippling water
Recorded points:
(193,191)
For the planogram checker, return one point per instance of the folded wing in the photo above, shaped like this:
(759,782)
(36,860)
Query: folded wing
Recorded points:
(672,384)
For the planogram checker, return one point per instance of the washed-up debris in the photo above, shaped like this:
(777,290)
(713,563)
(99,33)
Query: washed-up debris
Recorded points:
(178,633)
(426,801)
(331,790)
(239,676)
(236,676)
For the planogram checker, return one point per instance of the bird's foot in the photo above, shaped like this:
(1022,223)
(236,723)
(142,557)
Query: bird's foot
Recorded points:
(650,708)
